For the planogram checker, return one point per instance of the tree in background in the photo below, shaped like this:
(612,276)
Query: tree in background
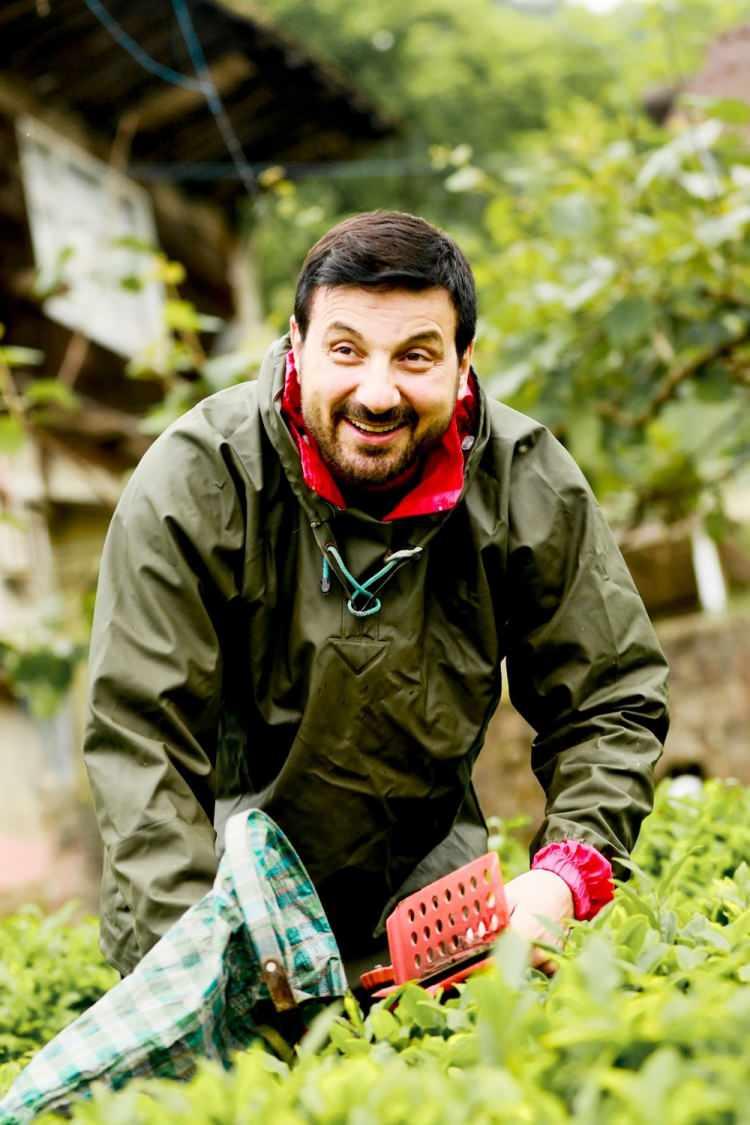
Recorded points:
(614,273)
(609,253)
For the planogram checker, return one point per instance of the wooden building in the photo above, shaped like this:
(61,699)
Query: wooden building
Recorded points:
(78,111)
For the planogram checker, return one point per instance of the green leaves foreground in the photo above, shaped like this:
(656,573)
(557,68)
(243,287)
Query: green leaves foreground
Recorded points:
(647,1020)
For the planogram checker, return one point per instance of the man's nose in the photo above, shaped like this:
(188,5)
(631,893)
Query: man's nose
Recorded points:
(377,391)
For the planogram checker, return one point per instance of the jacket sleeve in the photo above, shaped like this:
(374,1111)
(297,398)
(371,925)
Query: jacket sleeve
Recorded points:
(584,666)
(155,688)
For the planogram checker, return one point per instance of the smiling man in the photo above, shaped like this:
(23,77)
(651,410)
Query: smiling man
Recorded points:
(307,592)
(381,380)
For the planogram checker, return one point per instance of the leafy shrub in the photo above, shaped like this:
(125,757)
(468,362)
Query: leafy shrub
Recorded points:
(50,972)
(614,280)
(646,1021)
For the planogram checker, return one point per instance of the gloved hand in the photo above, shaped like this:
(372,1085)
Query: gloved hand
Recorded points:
(533,899)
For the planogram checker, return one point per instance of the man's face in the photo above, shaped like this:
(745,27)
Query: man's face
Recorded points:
(379,377)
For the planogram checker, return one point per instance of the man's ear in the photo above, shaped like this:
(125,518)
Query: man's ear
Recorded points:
(464,367)
(296,338)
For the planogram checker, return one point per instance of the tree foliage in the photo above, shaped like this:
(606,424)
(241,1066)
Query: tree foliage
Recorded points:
(614,273)
(609,254)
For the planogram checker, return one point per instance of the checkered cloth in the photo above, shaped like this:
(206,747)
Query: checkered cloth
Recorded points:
(195,992)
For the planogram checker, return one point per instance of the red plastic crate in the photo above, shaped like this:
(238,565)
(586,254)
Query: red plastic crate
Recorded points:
(452,920)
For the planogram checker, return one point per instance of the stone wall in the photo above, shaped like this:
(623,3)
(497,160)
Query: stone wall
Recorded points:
(710,706)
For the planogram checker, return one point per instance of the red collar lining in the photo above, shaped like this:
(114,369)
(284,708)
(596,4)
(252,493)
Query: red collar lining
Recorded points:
(441,481)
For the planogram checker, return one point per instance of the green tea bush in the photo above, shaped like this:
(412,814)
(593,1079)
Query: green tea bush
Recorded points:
(647,1020)
(50,972)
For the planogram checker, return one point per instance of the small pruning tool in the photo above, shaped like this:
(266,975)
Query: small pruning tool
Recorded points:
(440,935)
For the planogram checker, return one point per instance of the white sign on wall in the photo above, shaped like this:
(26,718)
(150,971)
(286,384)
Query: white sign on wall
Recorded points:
(79,207)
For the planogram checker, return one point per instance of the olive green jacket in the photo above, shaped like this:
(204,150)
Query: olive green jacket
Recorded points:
(223,677)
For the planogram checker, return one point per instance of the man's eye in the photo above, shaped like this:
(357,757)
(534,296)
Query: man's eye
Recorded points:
(416,357)
(345,350)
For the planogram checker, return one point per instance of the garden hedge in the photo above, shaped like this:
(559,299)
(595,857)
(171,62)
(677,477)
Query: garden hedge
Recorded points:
(647,1019)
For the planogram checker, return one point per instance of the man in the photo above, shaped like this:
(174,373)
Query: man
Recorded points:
(306,594)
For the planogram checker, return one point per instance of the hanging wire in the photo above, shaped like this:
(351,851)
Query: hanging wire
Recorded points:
(364,168)
(202,83)
(211,94)
(136,52)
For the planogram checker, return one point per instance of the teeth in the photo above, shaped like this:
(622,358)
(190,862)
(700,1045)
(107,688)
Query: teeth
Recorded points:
(370,429)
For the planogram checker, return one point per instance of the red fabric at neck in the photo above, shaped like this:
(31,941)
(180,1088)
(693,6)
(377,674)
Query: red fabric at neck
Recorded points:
(438,486)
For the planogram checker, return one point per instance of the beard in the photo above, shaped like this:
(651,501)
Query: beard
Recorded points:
(355,464)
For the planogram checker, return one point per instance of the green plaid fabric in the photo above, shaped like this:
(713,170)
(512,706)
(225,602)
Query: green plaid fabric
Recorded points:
(195,992)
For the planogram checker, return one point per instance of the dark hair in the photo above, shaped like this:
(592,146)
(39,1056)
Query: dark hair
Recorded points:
(389,250)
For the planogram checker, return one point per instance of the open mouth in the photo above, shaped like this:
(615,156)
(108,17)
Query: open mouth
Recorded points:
(375,428)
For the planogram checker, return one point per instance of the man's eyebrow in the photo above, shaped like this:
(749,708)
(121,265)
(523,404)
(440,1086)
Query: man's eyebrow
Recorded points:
(429,336)
(339,326)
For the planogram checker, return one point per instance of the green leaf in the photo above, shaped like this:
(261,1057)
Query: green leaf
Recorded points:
(131,283)
(733,111)
(511,955)
(702,185)
(689,957)
(51,392)
(704,932)
(730,227)
(318,1033)
(139,245)
(660,1073)
(276,1042)
(468,179)
(573,216)
(12,434)
(718,526)
(383,1024)
(598,966)
(21,357)
(633,934)
(584,431)
(628,322)
(346,1042)
(462,1050)
(181,316)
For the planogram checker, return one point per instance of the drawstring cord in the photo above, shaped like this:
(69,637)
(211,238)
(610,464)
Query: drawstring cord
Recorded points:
(373,603)
(325,577)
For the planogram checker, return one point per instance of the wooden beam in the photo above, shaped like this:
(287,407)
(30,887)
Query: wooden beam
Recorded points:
(16,99)
(165,104)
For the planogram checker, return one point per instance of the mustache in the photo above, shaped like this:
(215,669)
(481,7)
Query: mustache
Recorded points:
(383,418)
